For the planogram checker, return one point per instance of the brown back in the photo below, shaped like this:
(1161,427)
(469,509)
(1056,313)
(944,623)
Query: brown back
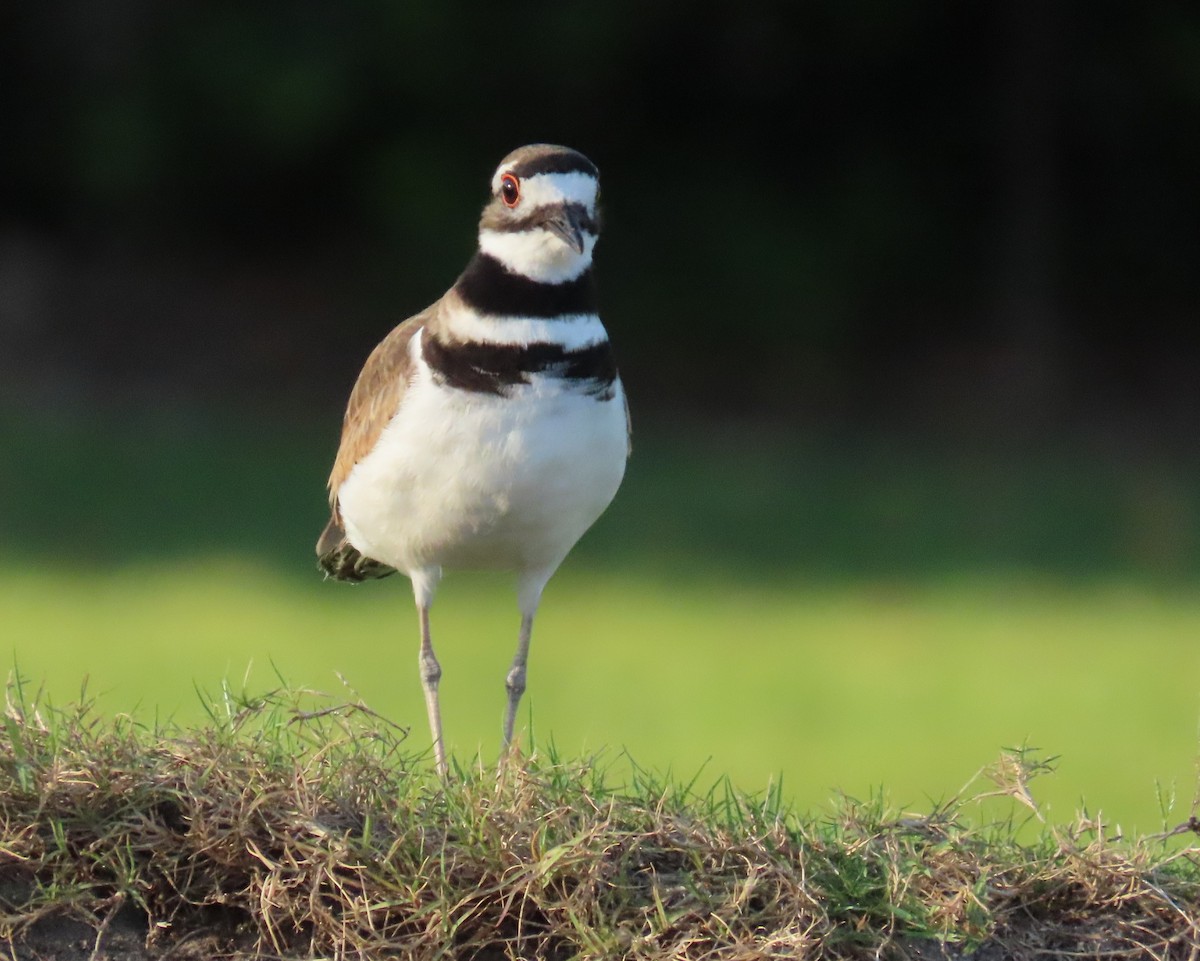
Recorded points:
(374,400)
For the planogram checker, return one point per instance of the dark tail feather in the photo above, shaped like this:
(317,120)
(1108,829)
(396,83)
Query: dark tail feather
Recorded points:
(341,561)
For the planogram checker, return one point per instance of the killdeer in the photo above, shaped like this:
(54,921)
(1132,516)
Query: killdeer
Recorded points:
(491,429)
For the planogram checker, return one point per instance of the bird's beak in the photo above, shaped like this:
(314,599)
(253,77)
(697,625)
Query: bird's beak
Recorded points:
(565,223)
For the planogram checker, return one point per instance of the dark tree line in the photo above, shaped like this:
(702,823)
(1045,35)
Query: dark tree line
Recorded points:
(972,214)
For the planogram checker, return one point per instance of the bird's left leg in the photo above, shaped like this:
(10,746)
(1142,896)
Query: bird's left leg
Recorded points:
(514,682)
(529,595)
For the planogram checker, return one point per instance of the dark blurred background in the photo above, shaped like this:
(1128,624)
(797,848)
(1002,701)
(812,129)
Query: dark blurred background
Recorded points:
(954,227)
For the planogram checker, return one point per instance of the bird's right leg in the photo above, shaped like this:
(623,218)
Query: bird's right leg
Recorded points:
(431,673)
(424,583)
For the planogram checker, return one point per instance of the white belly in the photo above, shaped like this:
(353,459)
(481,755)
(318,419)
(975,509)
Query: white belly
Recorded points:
(461,479)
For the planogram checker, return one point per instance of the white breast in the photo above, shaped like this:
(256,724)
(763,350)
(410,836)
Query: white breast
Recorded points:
(460,479)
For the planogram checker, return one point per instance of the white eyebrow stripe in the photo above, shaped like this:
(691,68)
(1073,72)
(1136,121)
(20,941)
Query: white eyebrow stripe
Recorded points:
(545,189)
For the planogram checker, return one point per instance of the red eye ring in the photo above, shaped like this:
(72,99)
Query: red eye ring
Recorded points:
(510,190)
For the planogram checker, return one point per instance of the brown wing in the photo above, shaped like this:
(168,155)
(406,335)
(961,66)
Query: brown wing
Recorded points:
(374,400)
(339,559)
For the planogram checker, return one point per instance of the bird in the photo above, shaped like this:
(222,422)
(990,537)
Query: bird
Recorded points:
(490,430)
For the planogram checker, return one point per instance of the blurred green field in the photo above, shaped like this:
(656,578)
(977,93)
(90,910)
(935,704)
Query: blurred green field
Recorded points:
(838,689)
(848,618)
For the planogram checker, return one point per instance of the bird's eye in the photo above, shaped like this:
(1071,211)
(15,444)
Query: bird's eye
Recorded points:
(510,190)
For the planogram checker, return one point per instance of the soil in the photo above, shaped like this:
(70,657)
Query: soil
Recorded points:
(123,936)
(60,937)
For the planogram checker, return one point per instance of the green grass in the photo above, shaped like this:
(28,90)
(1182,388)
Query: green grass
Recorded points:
(848,614)
(697,500)
(292,826)
(836,690)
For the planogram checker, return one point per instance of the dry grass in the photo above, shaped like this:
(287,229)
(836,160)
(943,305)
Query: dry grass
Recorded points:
(288,827)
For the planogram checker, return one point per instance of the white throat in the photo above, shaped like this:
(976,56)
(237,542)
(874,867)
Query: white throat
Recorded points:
(538,254)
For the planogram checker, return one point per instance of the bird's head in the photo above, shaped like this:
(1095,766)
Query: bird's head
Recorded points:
(543,218)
